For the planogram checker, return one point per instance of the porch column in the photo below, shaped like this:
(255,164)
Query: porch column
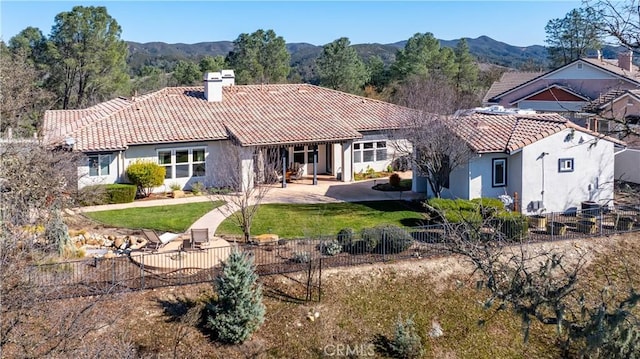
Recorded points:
(347,161)
(315,164)
(284,167)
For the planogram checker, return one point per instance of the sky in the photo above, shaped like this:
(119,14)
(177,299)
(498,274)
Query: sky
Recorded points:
(518,23)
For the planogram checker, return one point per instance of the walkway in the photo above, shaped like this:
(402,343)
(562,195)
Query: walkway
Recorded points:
(300,192)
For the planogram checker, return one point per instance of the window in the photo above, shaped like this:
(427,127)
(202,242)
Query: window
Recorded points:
(99,165)
(369,151)
(565,165)
(183,162)
(579,66)
(499,173)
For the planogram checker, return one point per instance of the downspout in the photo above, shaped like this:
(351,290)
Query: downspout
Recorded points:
(120,168)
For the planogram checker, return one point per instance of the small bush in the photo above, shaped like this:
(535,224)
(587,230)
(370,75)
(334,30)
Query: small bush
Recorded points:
(146,175)
(301,257)
(406,342)
(370,238)
(330,248)
(120,193)
(198,188)
(393,239)
(345,238)
(489,207)
(513,226)
(175,186)
(394,180)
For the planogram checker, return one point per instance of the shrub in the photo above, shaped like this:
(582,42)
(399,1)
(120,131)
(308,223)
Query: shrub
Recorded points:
(393,239)
(146,175)
(120,193)
(238,310)
(94,195)
(369,239)
(301,257)
(198,188)
(175,186)
(513,226)
(394,180)
(56,232)
(489,207)
(330,248)
(346,237)
(406,342)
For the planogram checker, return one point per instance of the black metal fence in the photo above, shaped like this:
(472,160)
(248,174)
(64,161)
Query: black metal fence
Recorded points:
(152,270)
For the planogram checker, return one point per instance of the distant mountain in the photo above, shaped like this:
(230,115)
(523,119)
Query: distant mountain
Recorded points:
(303,55)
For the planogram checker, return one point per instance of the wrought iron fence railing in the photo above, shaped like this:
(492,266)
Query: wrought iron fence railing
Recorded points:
(145,270)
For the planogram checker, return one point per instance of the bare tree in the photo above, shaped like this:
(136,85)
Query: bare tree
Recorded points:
(36,185)
(544,285)
(431,141)
(247,172)
(620,20)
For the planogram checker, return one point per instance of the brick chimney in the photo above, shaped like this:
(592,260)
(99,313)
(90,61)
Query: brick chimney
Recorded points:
(625,61)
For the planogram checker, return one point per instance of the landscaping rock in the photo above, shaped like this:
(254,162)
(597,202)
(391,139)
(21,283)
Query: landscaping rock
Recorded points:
(436,329)
(118,242)
(109,254)
(178,194)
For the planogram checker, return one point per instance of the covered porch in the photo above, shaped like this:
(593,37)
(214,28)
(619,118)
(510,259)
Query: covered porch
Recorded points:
(305,163)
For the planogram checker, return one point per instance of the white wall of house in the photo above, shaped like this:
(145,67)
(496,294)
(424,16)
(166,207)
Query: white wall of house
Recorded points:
(481,176)
(104,171)
(373,150)
(590,180)
(121,160)
(627,165)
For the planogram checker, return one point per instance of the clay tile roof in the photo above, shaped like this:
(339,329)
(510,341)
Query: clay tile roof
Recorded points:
(487,133)
(252,114)
(509,80)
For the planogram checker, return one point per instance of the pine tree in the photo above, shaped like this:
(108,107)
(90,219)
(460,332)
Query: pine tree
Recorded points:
(238,311)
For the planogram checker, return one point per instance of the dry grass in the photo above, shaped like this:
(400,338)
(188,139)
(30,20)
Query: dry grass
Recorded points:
(357,304)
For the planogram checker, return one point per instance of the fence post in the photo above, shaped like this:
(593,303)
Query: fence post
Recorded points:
(142,271)
(553,224)
(384,245)
(320,281)
(113,271)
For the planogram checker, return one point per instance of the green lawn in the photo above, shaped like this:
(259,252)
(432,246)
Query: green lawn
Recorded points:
(176,218)
(313,220)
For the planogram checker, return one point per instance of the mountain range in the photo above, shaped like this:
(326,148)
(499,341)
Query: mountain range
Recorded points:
(303,55)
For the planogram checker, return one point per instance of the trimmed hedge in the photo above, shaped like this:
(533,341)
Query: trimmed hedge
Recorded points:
(393,239)
(121,193)
(388,239)
(146,175)
(107,193)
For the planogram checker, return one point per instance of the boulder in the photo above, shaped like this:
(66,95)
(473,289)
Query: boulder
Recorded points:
(109,254)
(118,242)
(178,194)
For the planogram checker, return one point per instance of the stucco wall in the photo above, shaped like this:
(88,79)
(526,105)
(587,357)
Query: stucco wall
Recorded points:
(552,106)
(588,81)
(627,166)
(392,152)
(83,172)
(591,179)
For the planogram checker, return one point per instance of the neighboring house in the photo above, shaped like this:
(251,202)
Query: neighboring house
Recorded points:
(612,109)
(551,163)
(567,89)
(193,130)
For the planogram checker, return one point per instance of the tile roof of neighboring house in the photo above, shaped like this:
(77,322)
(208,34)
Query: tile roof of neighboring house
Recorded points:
(612,66)
(503,87)
(252,114)
(487,133)
(509,80)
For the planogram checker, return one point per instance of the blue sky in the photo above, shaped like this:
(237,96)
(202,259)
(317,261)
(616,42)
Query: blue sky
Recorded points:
(519,23)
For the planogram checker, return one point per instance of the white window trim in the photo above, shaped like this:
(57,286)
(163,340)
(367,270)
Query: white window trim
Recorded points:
(100,157)
(189,163)
(494,162)
(565,165)
(375,150)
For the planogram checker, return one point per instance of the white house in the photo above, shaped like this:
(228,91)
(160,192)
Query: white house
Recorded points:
(545,161)
(194,132)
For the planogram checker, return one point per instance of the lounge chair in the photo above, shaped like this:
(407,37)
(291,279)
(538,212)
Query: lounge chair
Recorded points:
(155,242)
(298,175)
(199,236)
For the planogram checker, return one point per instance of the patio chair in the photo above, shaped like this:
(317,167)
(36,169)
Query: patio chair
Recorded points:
(155,242)
(199,236)
(298,175)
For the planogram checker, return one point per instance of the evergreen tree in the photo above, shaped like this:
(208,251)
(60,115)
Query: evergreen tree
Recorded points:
(210,63)
(571,37)
(187,73)
(466,69)
(422,55)
(260,57)
(341,68)
(86,56)
(238,311)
